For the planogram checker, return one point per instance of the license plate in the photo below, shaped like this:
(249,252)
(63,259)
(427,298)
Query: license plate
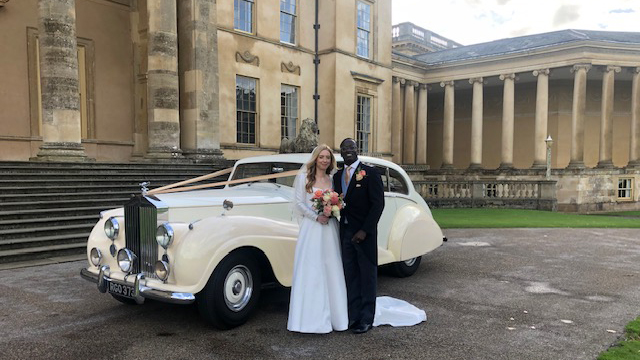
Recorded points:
(122,290)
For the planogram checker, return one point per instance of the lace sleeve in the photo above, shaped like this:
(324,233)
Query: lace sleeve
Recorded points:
(301,205)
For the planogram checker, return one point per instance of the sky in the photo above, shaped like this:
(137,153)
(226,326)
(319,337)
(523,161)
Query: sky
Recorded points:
(475,21)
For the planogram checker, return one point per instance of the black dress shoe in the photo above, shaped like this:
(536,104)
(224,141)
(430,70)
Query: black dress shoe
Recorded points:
(362,328)
(353,324)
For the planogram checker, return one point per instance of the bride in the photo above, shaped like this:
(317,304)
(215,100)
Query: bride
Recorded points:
(318,291)
(318,302)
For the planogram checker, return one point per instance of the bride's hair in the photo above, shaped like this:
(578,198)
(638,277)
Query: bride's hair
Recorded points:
(311,165)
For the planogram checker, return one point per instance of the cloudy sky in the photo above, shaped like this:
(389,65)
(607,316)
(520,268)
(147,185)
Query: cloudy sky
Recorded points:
(474,21)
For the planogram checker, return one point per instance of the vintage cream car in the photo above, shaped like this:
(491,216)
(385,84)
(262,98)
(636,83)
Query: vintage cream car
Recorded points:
(218,247)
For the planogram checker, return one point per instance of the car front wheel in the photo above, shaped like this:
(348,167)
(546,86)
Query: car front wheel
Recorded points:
(407,267)
(232,292)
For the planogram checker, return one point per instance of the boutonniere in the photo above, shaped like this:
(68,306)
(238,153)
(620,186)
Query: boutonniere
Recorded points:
(360,175)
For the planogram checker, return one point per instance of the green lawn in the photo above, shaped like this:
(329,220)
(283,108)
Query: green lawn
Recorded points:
(629,347)
(513,218)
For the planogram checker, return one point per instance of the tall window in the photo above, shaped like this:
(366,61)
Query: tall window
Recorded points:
(625,188)
(243,15)
(246,111)
(364,29)
(288,111)
(288,21)
(363,123)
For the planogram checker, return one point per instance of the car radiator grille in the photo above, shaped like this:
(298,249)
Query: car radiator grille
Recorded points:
(140,221)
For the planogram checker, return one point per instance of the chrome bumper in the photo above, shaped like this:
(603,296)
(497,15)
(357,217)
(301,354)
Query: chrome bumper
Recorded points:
(141,291)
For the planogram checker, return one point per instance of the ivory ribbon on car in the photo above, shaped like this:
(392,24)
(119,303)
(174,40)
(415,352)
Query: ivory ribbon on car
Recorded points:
(174,187)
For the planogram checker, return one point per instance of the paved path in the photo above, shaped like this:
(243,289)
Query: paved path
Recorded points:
(563,288)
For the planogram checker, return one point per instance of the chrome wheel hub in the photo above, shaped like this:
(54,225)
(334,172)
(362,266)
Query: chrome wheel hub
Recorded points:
(238,288)
(410,262)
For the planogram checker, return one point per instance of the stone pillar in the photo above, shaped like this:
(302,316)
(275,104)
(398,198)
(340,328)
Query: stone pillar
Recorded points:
(606,117)
(162,83)
(61,126)
(476,124)
(634,145)
(448,124)
(421,129)
(508,105)
(198,67)
(578,115)
(542,115)
(396,120)
(409,139)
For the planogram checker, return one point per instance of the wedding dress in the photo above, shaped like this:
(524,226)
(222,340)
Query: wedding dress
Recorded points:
(318,301)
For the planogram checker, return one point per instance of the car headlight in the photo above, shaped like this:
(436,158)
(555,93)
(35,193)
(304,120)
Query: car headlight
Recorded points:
(126,258)
(111,228)
(164,235)
(96,256)
(162,270)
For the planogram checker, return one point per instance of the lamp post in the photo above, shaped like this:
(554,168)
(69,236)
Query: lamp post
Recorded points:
(549,142)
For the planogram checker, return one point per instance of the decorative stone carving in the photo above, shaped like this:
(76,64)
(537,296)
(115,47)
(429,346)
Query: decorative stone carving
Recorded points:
(304,142)
(541,72)
(612,68)
(511,76)
(248,58)
(290,67)
(445,83)
(476,80)
(577,67)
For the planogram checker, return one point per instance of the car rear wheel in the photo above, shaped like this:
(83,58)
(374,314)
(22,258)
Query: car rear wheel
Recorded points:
(232,292)
(407,267)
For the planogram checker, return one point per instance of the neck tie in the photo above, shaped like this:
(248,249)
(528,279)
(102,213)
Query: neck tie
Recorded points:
(347,175)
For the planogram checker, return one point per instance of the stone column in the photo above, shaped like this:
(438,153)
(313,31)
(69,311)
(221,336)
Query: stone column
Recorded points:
(421,129)
(476,124)
(634,145)
(162,83)
(542,115)
(578,115)
(606,117)
(396,120)
(61,126)
(409,139)
(508,105)
(447,126)
(198,67)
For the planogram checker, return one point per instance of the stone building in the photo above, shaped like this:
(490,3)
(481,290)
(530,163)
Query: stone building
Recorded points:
(166,80)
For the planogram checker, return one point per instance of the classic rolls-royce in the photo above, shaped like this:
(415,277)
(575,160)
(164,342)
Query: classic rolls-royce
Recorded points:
(218,247)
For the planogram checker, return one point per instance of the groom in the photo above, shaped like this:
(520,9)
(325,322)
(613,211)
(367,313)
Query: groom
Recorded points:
(363,193)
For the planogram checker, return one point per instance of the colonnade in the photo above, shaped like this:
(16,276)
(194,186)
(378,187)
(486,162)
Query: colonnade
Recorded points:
(410,148)
(181,81)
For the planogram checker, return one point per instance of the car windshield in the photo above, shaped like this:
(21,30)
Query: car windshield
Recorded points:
(245,171)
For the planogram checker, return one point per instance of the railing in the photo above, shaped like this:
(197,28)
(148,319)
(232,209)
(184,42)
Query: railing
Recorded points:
(526,194)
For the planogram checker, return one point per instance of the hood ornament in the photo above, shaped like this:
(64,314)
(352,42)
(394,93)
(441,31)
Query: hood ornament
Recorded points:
(143,187)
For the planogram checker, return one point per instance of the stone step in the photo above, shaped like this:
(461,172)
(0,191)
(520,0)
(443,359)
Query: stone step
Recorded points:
(51,221)
(33,205)
(98,175)
(27,232)
(155,181)
(12,198)
(55,212)
(40,166)
(41,252)
(44,239)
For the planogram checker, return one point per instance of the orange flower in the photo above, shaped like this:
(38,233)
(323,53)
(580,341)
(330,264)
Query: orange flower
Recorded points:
(317,194)
(361,174)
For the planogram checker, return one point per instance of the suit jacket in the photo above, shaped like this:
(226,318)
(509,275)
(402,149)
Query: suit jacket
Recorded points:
(364,201)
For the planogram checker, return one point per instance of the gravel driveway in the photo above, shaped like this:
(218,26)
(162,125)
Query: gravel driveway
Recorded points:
(489,294)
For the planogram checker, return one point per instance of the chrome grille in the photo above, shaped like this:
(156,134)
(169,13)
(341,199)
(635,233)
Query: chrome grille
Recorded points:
(140,221)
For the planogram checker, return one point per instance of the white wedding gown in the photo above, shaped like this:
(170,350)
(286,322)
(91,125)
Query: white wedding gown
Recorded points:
(318,301)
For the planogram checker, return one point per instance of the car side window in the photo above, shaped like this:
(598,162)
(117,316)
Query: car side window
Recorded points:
(397,183)
(382,170)
(245,171)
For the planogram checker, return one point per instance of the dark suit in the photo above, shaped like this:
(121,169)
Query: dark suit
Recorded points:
(364,201)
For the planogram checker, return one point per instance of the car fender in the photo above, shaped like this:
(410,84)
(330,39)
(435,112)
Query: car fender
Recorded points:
(211,239)
(414,233)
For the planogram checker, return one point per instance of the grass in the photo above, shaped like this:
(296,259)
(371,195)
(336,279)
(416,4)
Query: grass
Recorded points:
(629,347)
(514,218)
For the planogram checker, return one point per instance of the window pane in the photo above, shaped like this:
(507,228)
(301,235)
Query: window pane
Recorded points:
(289,110)
(246,109)
(243,15)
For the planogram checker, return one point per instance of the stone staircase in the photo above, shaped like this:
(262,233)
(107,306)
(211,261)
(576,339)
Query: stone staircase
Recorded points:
(47,210)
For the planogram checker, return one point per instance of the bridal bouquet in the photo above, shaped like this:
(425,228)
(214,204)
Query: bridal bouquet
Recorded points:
(327,203)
